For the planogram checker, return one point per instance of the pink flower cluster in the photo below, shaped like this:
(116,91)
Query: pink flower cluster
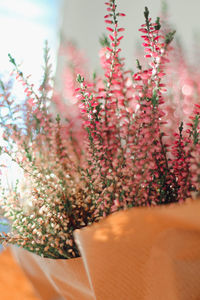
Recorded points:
(132,153)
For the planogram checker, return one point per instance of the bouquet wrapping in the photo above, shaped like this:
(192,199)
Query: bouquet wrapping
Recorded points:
(55,279)
(142,253)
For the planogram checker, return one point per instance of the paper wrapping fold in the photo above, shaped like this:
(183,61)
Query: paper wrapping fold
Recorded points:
(55,279)
(139,254)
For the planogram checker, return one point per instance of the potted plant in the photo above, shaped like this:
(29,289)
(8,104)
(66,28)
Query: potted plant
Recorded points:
(117,153)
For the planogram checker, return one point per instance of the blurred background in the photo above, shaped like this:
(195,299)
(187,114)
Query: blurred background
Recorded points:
(26,24)
(83,23)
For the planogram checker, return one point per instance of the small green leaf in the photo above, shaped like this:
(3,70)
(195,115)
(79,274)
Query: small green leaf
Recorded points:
(138,64)
(12,60)
(158,26)
(169,37)
(104,41)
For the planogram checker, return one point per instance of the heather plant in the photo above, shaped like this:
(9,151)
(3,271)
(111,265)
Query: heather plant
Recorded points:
(48,154)
(124,152)
(127,134)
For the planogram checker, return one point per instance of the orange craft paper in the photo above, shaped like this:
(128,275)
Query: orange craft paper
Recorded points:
(13,283)
(55,279)
(139,254)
